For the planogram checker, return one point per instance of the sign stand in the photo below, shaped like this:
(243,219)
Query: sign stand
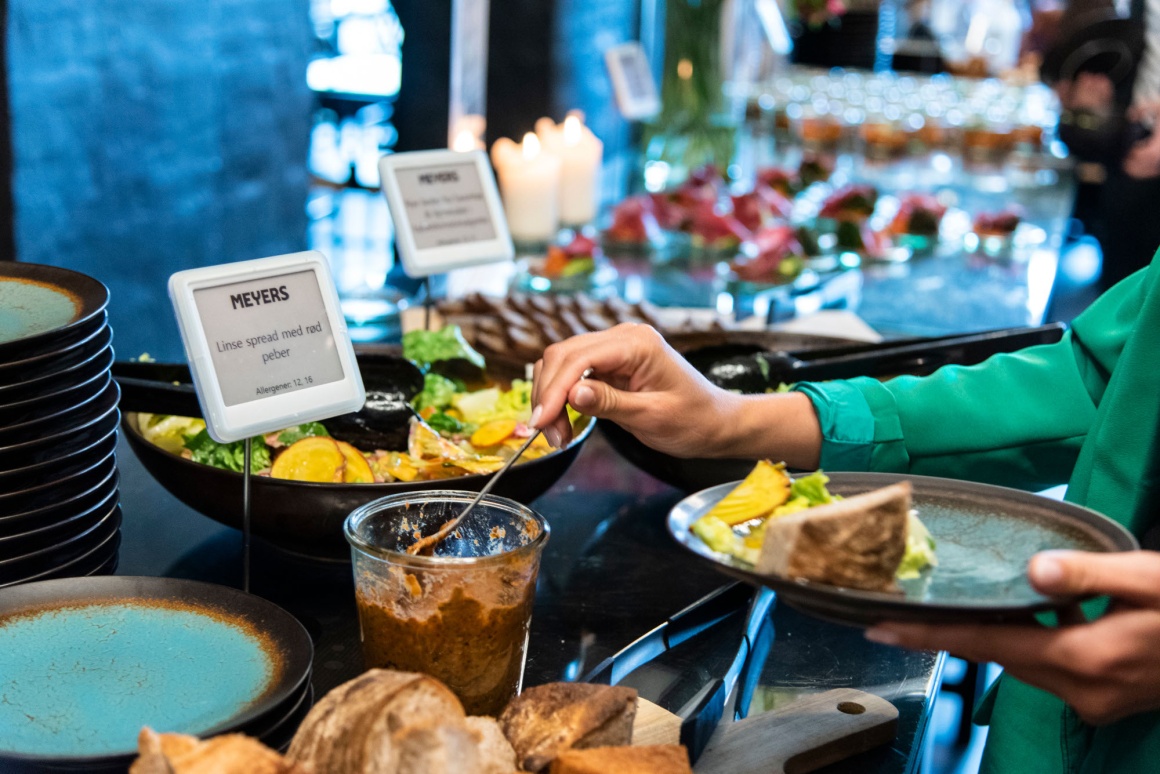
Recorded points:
(246,516)
(268,349)
(427,303)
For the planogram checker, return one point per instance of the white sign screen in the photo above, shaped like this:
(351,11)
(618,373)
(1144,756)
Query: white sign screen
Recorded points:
(268,337)
(445,205)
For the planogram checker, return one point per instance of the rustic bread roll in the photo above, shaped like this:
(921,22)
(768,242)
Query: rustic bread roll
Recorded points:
(229,754)
(645,759)
(546,720)
(496,755)
(351,730)
(433,748)
(421,702)
(856,543)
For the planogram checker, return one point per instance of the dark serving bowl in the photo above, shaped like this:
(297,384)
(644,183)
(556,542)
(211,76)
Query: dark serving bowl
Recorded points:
(306,518)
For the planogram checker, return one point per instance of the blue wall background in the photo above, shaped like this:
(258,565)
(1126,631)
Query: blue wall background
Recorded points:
(156,135)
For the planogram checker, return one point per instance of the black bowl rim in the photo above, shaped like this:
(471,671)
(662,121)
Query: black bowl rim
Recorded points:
(92,294)
(130,425)
(288,637)
(7,368)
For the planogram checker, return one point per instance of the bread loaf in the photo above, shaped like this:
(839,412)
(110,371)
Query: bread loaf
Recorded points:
(229,754)
(646,759)
(433,748)
(855,543)
(546,720)
(496,755)
(352,729)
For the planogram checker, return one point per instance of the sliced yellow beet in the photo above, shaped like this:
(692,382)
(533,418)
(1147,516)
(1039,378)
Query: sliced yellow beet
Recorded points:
(493,433)
(358,470)
(765,488)
(316,459)
(399,466)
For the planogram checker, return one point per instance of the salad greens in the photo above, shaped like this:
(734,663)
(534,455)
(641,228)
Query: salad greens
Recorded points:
(427,347)
(294,434)
(437,392)
(230,456)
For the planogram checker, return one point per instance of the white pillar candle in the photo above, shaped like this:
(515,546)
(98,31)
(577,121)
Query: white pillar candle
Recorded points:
(467,133)
(529,182)
(580,154)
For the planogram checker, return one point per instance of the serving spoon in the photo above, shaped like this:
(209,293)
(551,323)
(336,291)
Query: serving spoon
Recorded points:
(428,543)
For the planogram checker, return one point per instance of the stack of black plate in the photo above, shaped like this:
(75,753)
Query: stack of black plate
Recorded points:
(88,662)
(59,511)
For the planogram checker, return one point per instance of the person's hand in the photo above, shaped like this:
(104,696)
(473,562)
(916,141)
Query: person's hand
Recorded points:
(1143,158)
(642,384)
(1106,670)
(638,381)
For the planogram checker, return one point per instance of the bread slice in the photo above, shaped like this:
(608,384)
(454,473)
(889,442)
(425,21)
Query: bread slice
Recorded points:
(496,755)
(856,543)
(434,748)
(228,754)
(645,759)
(546,720)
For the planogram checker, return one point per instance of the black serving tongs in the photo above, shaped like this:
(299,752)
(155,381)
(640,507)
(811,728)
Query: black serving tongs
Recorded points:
(157,388)
(701,714)
(760,371)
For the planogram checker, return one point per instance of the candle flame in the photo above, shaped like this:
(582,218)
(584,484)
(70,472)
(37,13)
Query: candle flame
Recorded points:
(571,130)
(464,141)
(531,146)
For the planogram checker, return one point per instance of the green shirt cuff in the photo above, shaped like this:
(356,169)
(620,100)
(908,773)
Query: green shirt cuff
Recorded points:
(860,425)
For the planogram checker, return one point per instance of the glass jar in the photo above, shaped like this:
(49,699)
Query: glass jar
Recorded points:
(460,615)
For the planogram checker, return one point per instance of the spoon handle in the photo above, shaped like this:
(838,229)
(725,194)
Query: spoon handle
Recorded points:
(434,538)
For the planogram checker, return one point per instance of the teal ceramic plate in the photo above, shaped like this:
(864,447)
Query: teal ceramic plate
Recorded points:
(44,307)
(985,534)
(87,663)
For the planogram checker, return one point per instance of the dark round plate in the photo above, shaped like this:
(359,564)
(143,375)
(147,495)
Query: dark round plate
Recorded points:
(90,426)
(44,305)
(44,427)
(241,656)
(55,361)
(102,559)
(274,720)
(53,403)
(48,558)
(68,463)
(66,506)
(61,380)
(56,490)
(280,737)
(986,535)
(35,533)
(306,519)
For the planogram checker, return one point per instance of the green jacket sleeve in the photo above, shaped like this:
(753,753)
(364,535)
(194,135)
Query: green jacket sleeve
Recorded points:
(1017,419)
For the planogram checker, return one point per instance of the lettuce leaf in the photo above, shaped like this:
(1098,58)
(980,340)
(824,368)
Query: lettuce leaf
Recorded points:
(230,456)
(294,434)
(812,488)
(437,392)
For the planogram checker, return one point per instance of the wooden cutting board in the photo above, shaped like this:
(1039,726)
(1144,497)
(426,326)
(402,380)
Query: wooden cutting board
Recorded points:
(812,732)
